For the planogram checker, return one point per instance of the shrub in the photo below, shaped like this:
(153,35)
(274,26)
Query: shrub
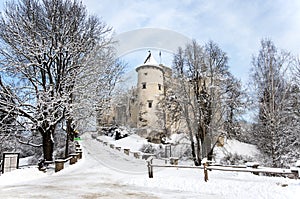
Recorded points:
(235,159)
(148,148)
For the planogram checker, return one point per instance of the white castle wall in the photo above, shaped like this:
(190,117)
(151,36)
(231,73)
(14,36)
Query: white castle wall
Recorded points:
(150,88)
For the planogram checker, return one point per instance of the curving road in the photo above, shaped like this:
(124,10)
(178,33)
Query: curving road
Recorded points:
(101,174)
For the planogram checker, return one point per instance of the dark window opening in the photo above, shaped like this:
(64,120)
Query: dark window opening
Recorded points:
(159,86)
(150,103)
(144,85)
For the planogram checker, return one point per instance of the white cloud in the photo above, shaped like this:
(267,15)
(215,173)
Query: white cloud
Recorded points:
(236,25)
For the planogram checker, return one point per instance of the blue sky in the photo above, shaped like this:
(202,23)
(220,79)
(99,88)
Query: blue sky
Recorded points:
(236,25)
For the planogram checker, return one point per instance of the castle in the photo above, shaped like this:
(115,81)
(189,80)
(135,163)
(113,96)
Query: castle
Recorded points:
(141,108)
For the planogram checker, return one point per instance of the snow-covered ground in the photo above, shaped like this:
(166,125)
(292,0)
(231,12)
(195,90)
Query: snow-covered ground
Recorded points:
(107,173)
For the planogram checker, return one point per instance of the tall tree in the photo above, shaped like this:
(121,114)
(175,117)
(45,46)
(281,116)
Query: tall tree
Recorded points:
(272,88)
(200,74)
(44,45)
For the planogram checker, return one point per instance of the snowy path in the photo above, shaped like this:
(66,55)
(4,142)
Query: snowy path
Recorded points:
(108,173)
(101,174)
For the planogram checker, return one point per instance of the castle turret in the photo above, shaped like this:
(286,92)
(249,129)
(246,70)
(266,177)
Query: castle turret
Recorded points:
(150,89)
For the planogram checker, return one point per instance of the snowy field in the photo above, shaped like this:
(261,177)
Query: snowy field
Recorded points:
(107,173)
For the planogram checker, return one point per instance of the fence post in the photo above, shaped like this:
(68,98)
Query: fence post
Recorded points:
(79,152)
(136,155)
(126,151)
(59,165)
(150,167)
(205,171)
(118,148)
(73,159)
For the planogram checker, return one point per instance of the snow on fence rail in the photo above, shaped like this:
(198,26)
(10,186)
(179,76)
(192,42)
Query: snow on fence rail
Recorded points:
(127,151)
(206,167)
(73,158)
(136,154)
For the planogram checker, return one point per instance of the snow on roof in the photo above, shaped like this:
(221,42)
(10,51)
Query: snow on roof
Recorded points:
(152,61)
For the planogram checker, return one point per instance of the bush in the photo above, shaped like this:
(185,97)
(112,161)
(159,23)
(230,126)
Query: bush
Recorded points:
(235,159)
(148,148)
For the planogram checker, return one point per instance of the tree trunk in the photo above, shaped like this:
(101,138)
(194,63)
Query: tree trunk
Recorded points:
(199,158)
(70,136)
(191,136)
(193,148)
(67,146)
(48,145)
(193,153)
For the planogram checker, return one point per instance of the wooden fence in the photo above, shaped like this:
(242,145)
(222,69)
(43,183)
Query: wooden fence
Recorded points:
(127,151)
(255,169)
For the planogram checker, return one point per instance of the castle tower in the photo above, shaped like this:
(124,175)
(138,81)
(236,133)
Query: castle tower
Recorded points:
(150,89)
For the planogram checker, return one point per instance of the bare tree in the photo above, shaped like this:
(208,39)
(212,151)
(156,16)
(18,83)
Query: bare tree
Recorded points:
(44,45)
(296,80)
(273,92)
(200,74)
(95,88)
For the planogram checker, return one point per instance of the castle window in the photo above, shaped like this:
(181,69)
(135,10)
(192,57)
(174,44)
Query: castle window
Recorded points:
(159,87)
(144,85)
(145,74)
(150,103)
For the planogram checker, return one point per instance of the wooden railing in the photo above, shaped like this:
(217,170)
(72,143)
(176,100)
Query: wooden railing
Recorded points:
(127,151)
(255,169)
(207,166)
(73,158)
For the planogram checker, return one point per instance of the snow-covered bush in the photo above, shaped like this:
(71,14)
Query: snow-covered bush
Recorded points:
(148,148)
(156,149)
(235,159)
(180,146)
(181,150)
(116,132)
